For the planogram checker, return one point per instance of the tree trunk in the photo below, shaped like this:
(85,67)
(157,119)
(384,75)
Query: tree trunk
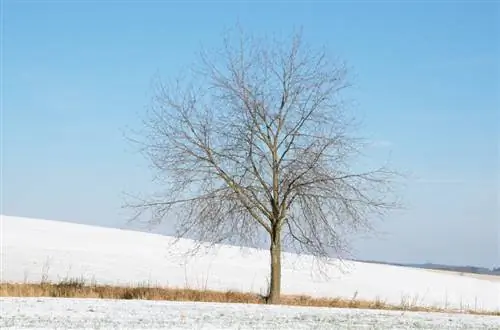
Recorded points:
(275,285)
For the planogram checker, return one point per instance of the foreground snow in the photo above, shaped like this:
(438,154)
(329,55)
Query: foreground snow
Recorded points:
(33,249)
(50,313)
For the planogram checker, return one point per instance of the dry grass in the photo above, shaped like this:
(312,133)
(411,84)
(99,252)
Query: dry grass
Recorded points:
(76,288)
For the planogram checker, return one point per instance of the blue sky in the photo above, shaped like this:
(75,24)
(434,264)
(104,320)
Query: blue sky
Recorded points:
(76,73)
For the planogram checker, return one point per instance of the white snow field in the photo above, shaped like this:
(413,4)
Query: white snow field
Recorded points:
(33,249)
(51,313)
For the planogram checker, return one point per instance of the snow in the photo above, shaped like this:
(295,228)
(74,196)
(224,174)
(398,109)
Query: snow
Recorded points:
(34,248)
(46,313)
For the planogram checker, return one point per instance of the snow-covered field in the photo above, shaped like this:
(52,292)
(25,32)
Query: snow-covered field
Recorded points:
(34,248)
(49,313)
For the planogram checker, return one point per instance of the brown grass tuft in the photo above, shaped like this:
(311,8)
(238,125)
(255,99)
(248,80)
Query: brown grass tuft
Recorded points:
(77,288)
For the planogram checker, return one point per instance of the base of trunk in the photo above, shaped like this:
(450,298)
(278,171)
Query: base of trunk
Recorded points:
(273,299)
(275,284)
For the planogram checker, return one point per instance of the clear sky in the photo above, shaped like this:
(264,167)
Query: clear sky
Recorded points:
(76,73)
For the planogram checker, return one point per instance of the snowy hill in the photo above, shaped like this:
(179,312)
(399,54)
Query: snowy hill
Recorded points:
(33,248)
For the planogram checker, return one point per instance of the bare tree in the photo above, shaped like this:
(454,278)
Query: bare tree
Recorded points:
(259,141)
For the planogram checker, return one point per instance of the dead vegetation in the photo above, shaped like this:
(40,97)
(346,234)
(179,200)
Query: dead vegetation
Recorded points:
(77,288)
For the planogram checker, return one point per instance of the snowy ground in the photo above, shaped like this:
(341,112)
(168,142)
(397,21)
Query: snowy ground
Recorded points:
(33,248)
(49,313)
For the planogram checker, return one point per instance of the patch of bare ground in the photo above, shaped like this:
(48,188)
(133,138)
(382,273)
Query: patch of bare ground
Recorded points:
(486,277)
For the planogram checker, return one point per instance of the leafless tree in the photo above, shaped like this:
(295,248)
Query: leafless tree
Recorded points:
(259,141)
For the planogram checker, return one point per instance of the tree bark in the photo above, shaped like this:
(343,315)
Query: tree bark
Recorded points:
(275,285)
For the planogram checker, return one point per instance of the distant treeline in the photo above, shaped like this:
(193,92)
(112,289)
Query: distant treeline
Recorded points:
(461,269)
